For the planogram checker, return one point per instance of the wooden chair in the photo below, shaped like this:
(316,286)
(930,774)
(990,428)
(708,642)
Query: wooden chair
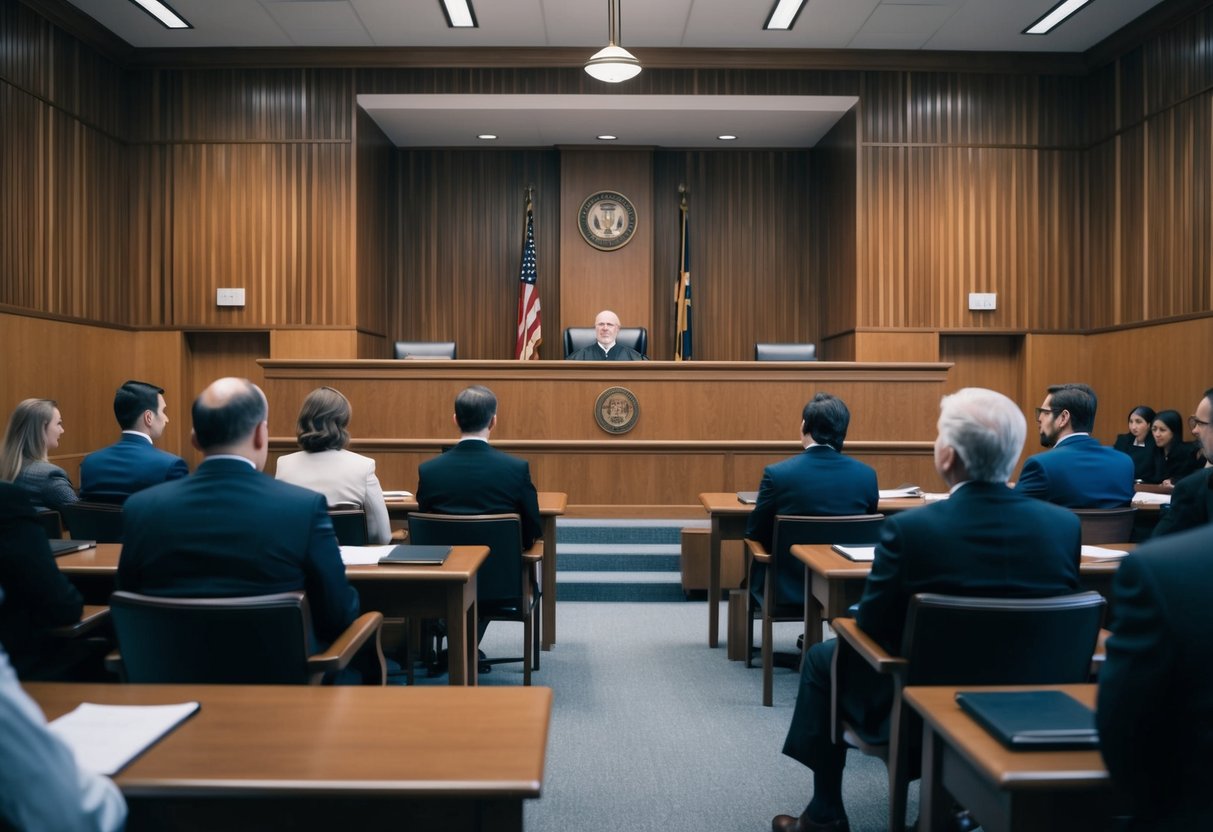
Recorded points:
(950,640)
(1106,525)
(772,601)
(256,640)
(507,585)
(101,522)
(349,522)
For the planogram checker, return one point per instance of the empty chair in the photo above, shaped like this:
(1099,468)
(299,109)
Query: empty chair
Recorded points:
(507,585)
(425,349)
(349,522)
(1105,525)
(101,522)
(785,352)
(51,523)
(577,337)
(261,640)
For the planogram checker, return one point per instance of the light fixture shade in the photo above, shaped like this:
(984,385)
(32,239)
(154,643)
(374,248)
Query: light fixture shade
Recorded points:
(613,64)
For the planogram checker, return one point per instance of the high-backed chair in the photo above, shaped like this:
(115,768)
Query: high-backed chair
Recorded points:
(101,522)
(260,640)
(576,337)
(349,522)
(507,585)
(1106,525)
(425,349)
(769,597)
(951,640)
(785,352)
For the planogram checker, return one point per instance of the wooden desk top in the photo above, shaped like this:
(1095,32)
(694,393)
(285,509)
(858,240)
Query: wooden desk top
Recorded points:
(726,502)
(551,504)
(823,560)
(1010,770)
(264,740)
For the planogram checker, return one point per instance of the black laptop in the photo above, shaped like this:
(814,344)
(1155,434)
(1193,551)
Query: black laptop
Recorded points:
(407,555)
(66,547)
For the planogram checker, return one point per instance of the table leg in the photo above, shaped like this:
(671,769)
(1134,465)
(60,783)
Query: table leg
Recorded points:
(547,633)
(714,584)
(933,800)
(461,634)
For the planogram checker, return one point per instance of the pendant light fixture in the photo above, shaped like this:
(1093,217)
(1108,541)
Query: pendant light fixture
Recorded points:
(613,63)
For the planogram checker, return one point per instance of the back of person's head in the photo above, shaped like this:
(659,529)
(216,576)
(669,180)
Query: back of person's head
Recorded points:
(25,437)
(475,408)
(986,429)
(826,419)
(227,412)
(1144,411)
(133,399)
(1174,423)
(324,420)
(1209,396)
(1080,400)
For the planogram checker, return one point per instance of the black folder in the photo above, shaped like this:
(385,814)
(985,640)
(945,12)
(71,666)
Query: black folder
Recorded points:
(1033,720)
(66,547)
(416,556)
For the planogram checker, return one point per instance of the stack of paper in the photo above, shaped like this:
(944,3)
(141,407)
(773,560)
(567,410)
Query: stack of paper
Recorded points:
(1100,553)
(397,495)
(1145,498)
(105,738)
(363,555)
(900,492)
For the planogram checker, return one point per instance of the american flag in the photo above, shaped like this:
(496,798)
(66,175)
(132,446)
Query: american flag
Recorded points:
(530,335)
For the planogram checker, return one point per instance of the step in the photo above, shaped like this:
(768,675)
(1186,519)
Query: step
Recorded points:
(619,586)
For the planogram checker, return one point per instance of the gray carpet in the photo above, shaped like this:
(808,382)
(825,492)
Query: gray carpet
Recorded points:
(653,730)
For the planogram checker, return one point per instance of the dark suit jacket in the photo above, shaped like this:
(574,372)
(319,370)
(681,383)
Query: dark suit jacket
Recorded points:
(131,464)
(228,531)
(475,478)
(1078,473)
(818,481)
(1155,707)
(1184,460)
(1142,455)
(1191,504)
(617,353)
(36,594)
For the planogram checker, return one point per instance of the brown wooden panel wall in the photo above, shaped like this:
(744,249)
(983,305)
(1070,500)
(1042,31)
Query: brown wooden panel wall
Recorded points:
(833,237)
(376,218)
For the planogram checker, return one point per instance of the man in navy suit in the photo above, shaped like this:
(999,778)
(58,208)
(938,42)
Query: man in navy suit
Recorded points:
(229,530)
(818,481)
(476,478)
(133,463)
(1078,472)
(985,540)
(1192,499)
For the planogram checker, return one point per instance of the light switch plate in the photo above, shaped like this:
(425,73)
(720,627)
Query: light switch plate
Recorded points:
(230,297)
(983,301)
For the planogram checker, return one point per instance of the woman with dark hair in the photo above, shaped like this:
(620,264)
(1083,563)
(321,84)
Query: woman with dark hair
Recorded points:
(34,429)
(324,464)
(1139,442)
(1174,458)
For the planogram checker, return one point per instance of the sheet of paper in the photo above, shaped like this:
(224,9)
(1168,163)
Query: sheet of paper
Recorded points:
(105,738)
(861,554)
(362,555)
(397,495)
(1100,553)
(933,496)
(900,493)
(1145,498)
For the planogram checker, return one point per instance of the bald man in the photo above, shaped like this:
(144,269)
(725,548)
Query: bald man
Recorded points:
(606,328)
(228,530)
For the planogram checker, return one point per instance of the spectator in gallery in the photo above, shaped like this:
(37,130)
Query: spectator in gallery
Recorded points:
(33,430)
(1174,458)
(1138,443)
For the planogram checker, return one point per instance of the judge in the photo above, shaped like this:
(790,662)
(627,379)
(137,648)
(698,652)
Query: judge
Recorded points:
(606,328)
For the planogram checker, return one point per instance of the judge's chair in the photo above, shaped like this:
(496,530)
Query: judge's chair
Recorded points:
(952,640)
(255,640)
(507,585)
(425,349)
(771,601)
(576,337)
(101,522)
(785,352)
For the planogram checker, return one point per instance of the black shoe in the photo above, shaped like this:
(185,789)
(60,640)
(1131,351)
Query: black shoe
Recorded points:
(787,823)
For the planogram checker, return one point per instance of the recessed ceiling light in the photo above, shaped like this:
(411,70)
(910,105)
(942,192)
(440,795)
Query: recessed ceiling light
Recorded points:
(607,137)
(727,137)
(459,14)
(487,136)
(783,15)
(161,11)
(1055,16)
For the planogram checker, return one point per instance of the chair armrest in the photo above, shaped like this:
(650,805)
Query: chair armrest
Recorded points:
(757,551)
(92,618)
(342,651)
(535,553)
(863,644)
(113,663)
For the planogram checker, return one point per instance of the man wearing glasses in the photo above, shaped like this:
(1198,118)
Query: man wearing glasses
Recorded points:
(1192,499)
(1078,472)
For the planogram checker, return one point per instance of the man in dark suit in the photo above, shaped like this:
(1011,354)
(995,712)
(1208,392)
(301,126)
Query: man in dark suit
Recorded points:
(1192,498)
(476,478)
(229,530)
(1078,472)
(985,540)
(1155,705)
(606,348)
(133,463)
(819,481)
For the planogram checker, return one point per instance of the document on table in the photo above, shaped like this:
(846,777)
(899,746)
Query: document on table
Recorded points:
(397,495)
(1100,553)
(862,554)
(105,738)
(363,555)
(901,492)
(1145,498)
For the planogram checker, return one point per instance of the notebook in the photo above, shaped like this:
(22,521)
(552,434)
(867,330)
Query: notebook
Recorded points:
(1032,720)
(862,554)
(748,498)
(66,547)
(412,555)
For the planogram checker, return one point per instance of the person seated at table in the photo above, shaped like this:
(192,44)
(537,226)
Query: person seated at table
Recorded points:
(228,531)
(1154,709)
(1192,500)
(985,540)
(1077,472)
(133,463)
(1174,458)
(1138,443)
(34,429)
(606,326)
(325,465)
(817,481)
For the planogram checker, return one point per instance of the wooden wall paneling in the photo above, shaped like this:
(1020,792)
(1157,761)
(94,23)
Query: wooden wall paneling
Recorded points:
(991,361)
(837,347)
(833,236)
(1132,220)
(375,222)
(314,343)
(159,357)
(1177,63)
(1102,286)
(671,169)
(373,346)
(897,345)
(1054,359)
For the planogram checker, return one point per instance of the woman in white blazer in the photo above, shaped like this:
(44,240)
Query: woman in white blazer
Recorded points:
(324,465)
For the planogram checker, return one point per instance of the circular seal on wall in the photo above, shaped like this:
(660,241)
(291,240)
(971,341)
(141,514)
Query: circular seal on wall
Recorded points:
(616,410)
(607,220)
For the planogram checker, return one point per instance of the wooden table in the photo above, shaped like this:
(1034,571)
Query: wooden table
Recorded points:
(1007,791)
(324,758)
(447,591)
(552,504)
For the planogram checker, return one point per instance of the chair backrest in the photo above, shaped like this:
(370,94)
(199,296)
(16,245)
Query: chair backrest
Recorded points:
(350,525)
(785,352)
(794,529)
(263,639)
(953,640)
(500,577)
(101,522)
(425,349)
(1103,525)
(577,337)
(51,523)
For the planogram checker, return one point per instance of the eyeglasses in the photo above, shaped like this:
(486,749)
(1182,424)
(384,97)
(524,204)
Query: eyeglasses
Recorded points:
(1194,423)
(1041,411)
